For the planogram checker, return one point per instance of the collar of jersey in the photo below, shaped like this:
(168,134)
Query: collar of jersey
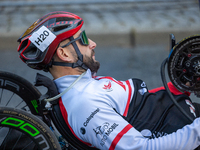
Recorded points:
(65,81)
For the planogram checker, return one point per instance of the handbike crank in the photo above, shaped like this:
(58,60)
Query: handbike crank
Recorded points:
(184,65)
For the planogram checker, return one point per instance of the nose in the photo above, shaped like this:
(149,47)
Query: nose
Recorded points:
(92,44)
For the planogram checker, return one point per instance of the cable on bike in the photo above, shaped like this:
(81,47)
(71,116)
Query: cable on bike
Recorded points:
(168,91)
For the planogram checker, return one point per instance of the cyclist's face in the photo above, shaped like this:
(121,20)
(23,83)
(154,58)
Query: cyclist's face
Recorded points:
(88,53)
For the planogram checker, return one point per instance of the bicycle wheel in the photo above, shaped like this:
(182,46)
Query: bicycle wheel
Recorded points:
(17,92)
(22,130)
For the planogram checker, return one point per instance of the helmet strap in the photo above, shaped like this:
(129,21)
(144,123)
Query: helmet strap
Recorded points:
(79,63)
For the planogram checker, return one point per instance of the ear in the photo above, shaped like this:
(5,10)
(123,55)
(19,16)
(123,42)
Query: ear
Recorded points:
(63,54)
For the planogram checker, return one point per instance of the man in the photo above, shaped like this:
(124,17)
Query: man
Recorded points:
(101,111)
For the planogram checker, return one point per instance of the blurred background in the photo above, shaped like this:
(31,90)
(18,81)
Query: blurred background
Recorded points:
(132,36)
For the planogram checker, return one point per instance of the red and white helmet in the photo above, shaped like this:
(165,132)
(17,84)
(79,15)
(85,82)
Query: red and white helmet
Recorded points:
(40,41)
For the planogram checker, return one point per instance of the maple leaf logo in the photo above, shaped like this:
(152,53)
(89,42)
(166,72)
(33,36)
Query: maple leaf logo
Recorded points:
(108,87)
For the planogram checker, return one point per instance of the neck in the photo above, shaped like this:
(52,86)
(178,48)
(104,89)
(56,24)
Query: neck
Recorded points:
(59,71)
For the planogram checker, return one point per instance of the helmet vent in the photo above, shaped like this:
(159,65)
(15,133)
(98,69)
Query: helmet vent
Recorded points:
(79,23)
(64,19)
(24,44)
(58,28)
(31,53)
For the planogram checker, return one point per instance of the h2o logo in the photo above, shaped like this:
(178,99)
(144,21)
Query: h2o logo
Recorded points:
(42,38)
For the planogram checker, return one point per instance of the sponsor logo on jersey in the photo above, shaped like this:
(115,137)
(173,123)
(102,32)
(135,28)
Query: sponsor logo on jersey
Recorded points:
(104,131)
(142,91)
(82,130)
(90,117)
(148,134)
(112,79)
(100,129)
(108,87)
(143,84)
(192,108)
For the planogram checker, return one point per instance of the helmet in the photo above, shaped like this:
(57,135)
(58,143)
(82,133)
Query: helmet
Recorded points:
(40,41)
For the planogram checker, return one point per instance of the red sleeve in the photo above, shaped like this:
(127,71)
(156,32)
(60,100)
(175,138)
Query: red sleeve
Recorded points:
(172,89)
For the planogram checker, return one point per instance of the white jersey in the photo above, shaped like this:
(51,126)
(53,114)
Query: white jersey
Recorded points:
(94,108)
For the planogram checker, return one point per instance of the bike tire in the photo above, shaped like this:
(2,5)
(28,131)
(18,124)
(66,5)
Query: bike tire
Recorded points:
(28,127)
(17,92)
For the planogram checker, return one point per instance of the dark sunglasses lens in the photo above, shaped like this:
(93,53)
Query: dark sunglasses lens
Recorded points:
(84,38)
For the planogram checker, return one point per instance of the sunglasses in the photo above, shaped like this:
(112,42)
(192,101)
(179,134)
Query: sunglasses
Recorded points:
(82,38)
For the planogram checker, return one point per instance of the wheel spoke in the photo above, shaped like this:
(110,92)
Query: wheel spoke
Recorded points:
(1,95)
(4,143)
(10,99)
(20,104)
(17,141)
(31,142)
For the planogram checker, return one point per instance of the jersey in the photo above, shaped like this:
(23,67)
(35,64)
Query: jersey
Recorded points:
(105,113)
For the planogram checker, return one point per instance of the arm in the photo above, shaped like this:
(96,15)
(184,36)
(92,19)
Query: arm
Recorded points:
(184,139)
(108,130)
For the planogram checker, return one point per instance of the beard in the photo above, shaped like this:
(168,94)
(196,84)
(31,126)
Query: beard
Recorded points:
(92,64)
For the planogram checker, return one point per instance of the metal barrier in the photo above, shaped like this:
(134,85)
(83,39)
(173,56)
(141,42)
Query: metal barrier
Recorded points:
(104,16)
(80,2)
